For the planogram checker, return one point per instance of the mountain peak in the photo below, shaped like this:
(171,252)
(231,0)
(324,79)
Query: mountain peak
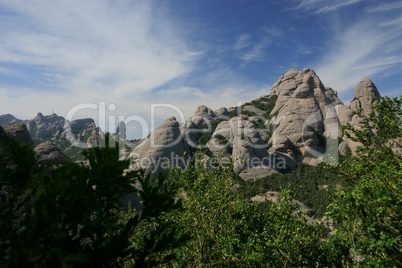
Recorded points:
(8,118)
(365,95)
(365,87)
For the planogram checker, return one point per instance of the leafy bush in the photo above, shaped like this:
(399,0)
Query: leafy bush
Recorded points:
(368,213)
(74,216)
(227,230)
(304,183)
(207,135)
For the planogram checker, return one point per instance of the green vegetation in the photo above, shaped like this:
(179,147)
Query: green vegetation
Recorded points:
(207,135)
(368,212)
(227,230)
(266,104)
(221,139)
(310,185)
(73,216)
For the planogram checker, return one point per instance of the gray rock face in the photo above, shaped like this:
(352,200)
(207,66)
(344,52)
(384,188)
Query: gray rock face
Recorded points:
(78,125)
(257,173)
(44,128)
(219,144)
(344,114)
(239,139)
(64,134)
(253,109)
(164,148)
(18,131)
(199,123)
(366,94)
(8,118)
(249,150)
(298,121)
(121,130)
(304,116)
(222,112)
(53,127)
(303,126)
(204,111)
(48,153)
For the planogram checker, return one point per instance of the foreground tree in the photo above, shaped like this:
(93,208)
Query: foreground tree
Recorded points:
(75,216)
(19,178)
(368,211)
(228,230)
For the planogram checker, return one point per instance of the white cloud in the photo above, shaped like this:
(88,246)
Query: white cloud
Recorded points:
(364,49)
(325,6)
(89,51)
(243,41)
(256,53)
(381,7)
(395,22)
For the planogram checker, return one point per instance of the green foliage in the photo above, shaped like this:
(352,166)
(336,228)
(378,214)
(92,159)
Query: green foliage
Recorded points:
(227,230)
(266,104)
(18,179)
(75,217)
(387,125)
(207,135)
(248,113)
(221,139)
(368,213)
(308,184)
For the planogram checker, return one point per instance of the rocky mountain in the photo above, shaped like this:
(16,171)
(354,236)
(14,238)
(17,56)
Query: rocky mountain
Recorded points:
(160,149)
(48,153)
(298,121)
(69,137)
(17,131)
(8,118)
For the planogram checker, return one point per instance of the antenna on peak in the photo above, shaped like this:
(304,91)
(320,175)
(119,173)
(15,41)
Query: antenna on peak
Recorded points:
(53,110)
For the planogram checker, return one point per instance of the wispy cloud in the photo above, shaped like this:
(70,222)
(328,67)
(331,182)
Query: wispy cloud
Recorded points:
(395,22)
(242,41)
(363,49)
(92,50)
(325,6)
(257,51)
(381,7)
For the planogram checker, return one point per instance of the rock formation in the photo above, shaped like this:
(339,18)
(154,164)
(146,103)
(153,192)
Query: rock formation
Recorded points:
(18,131)
(121,130)
(48,153)
(164,148)
(304,117)
(8,118)
(298,121)
(201,122)
(365,95)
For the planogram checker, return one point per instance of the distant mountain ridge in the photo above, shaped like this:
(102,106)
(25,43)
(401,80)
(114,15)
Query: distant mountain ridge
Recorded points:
(298,121)
(53,128)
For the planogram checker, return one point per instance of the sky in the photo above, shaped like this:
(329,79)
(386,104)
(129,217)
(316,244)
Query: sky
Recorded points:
(147,60)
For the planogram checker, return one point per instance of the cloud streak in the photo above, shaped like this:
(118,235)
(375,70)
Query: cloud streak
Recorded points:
(381,7)
(366,48)
(325,6)
(93,49)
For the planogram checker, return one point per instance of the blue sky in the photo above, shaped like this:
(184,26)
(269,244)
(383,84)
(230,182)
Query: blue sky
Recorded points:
(134,53)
